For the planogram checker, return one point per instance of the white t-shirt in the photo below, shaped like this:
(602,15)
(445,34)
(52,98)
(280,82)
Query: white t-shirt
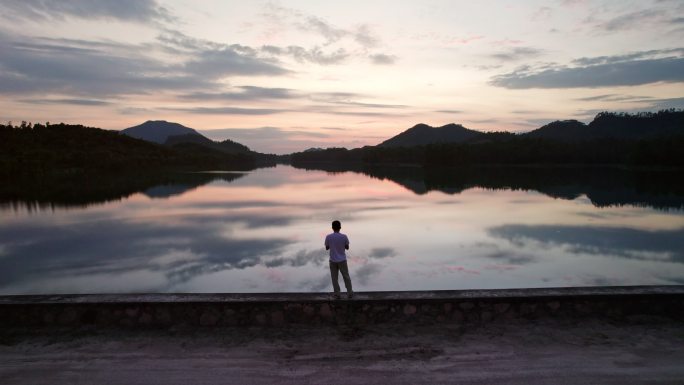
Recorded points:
(337,242)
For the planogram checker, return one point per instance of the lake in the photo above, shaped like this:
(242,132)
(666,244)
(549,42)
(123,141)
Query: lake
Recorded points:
(263,230)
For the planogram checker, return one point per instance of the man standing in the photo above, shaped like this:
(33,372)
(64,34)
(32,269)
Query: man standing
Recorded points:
(337,243)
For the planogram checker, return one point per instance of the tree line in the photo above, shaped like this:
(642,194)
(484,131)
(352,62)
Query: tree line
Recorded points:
(39,149)
(619,145)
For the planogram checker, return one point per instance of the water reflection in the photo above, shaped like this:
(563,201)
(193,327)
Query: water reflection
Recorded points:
(263,231)
(82,190)
(181,251)
(603,186)
(657,245)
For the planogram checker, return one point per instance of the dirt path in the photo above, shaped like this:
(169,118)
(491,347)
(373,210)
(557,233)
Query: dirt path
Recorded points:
(591,352)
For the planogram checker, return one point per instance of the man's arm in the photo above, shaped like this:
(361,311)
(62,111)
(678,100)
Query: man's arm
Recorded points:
(346,244)
(327,246)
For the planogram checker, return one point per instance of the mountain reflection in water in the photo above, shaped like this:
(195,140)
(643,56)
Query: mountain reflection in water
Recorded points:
(604,186)
(262,231)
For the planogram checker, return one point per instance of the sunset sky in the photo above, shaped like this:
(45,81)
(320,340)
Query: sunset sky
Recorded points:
(283,76)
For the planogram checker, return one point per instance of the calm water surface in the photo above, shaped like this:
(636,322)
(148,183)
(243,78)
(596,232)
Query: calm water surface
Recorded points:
(262,231)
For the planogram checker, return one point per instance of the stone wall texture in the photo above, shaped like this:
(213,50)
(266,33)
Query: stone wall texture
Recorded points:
(279,310)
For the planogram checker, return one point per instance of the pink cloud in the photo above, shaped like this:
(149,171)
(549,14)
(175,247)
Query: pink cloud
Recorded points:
(460,269)
(501,267)
(275,276)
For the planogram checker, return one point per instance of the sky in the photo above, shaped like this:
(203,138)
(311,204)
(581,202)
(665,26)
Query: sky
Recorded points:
(284,76)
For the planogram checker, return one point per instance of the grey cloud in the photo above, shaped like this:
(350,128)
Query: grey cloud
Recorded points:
(538,122)
(316,24)
(101,69)
(364,273)
(603,281)
(525,112)
(336,111)
(245,93)
(661,104)
(652,54)
(542,13)
(571,3)
(510,257)
(228,61)
(488,120)
(450,111)
(225,110)
(133,110)
(177,41)
(623,242)
(517,53)
(337,100)
(382,252)
(612,98)
(124,10)
(316,285)
(676,280)
(647,104)
(333,96)
(56,69)
(77,102)
(382,59)
(316,55)
(633,19)
(313,55)
(628,73)
(364,36)
(311,23)
(368,105)
(301,258)
(95,247)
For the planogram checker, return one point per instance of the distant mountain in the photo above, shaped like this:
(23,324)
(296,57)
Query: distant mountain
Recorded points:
(159,131)
(561,130)
(66,149)
(227,146)
(422,134)
(615,125)
(173,134)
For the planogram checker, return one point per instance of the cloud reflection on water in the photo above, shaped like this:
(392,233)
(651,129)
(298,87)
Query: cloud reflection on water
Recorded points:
(656,245)
(250,233)
(195,246)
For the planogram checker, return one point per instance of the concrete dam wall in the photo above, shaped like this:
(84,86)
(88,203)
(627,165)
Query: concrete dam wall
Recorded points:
(462,307)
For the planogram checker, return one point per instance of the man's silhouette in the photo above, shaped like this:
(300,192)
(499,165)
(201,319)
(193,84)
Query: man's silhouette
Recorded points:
(337,243)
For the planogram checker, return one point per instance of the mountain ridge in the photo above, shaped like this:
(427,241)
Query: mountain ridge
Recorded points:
(645,125)
(422,134)
(158,131)
(173,134)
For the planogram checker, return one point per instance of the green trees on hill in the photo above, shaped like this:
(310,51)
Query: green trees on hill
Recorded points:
(643,139)
(65,148)
(665,151)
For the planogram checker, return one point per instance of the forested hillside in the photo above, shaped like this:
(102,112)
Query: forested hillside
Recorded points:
(65,148)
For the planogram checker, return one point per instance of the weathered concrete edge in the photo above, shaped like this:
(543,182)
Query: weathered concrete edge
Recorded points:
(145,298)
(456,307)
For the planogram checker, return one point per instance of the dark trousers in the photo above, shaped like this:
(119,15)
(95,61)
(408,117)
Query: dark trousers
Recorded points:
(342,268)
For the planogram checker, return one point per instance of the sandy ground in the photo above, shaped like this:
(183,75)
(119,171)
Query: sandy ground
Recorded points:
(548,352)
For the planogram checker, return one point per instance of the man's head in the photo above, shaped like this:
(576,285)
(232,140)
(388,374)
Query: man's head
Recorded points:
(336,226)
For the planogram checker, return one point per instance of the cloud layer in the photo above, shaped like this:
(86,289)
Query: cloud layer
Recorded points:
(605,71)
(125,10)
